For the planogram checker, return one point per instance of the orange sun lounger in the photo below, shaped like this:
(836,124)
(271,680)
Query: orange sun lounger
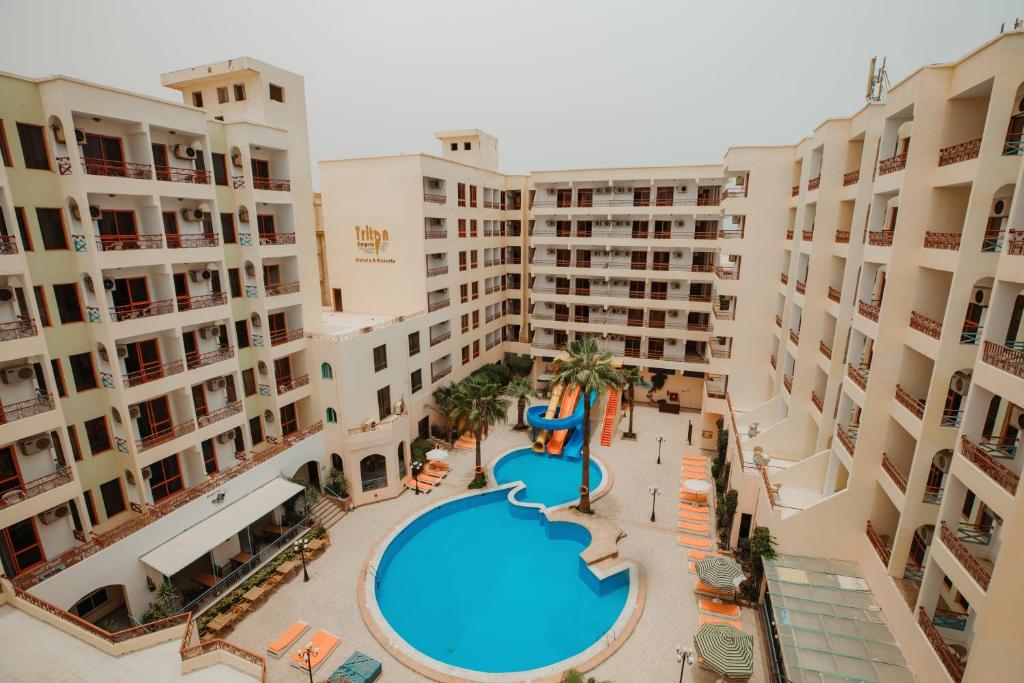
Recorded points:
(695,527)
(709,606)
(325,644)
(693,516)
(439,465)
(693,497)
(429,479)
(704,619)
(411,485)
(435,471)
(290,635)
(692,508)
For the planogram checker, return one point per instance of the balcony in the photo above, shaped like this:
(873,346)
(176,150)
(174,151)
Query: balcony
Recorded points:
(141,309)
(193,241)
(433,233)
(153,372)
(18,329)
(279,288)
(778,321)
(950,660)
(157,438)
(814,183)
(437,375)
(182,175)
(434,272)
(825,349)
(834,294)
(726,273)
(275,184)
(34,487)
(220,413)
(978,569)
(434,198)
(200,301)
(794,337)
(877,543)
(925,325)
(807,235)
(914,405)
(438,338)
(198,360)
(293,383)
(996,471)
(790,233)
(851,178)
(959,152)
(892,164)
(817,401)
(801,287)
(942,240)
(1008,359)
(278,337)
(880,238)
(270,238)
(894,473)
(869,310)
(842,237)
(858,375)
(112,169)
(794,191)
(783,278)
(128,242)
(438,305)
(787,382)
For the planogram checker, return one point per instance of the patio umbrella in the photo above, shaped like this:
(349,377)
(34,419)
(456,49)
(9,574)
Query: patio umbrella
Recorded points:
(720,573)
(437,454)
(725,649)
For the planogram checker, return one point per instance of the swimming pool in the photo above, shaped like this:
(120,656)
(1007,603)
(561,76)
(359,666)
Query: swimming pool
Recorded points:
(549,480)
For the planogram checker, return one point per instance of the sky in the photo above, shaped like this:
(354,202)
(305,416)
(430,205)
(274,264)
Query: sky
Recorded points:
(562,83)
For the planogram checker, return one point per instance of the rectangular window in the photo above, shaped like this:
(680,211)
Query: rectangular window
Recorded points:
(462,260)
(276,93)
(465,323)
(26,237)
(416,379)
(33,146)
(380,358)
(91,602)
(69,305)
(165,478)
(472,196)
(235,282)
(21,544)
(113,497)
(472,227)
(209,457)
(476,290)
(462,194)
(97,434)
(76,447)
(44,311)
(414,343)
(83,371)
(465,355)
(239,92)
(249,382)
(58,377)
(227,227)
(220,169)
(256,430)
(90,507)
(464,292)
(242,333)
(462,227)
(473,259)
(384,402)
(289,420)
(222,95)
(476,348)
(5,151)
(197,99)
(51,227)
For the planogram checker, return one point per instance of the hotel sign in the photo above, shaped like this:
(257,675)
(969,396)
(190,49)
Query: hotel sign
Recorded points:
(374,243)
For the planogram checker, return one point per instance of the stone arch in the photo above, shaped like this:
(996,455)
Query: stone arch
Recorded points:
(106,606)
(373,472)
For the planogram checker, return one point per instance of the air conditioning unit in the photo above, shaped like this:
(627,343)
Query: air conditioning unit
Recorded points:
(550,223)
(134,412)
(184,152)
(604,223)
(960,383)
(681,188)
(436,184)
(35,444)
(261,367)
(268,415)
(677,254)
(95,212)
(243,214)
(255,318)
(53,514)
(215,384)
(981,295)
(942,460)
(226,437)
(58,133)
(236,159)
(101,351)
(551,190)
(671,342)
(199,275)
(6,294)
(673,314)
(108,283)
(675,285)
(146,473)
(550,251)
(79,136)
(192,214)
(122,351)
(999,207)
(16,373)
(213,331)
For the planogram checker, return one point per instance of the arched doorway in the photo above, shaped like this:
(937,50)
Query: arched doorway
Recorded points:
(373,472)
(309,473)
(106,607)
(401,460)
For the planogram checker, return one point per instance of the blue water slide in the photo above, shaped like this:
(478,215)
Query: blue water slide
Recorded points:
(574,444)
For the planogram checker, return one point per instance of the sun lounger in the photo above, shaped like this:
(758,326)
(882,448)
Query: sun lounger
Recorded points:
(719,609)
(696,527)
(440,465)
(435,471)
(704,589)
(358,668)
(698,555)
(430,479)
(325,644)
(690,507)
(703,543)
(289,636)
(694,516)
(423,486)
(691,497)
(705,619)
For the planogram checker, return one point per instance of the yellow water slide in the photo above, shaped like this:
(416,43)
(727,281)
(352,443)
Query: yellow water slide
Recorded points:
(552,412)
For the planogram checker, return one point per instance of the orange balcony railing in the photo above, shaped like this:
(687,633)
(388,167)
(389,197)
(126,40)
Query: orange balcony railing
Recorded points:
(996,471)
(268,238)
(199,301)
(911,403)
(280,288)
(198,360)
(926,325)
(17,329)
(825,349)
(942,240)
(34,487)
(960,152)
(851,178)
(880,238)
(978,571)
(182,175)
(193,240)
(230,409)
(842,236)
(129,242)
(164,435)
(276,184)
(869,310)
(834,294)
(117,169)
(950,660)
(892,164)
(278,337)
(817,401)
(1007,359)
(814,183)
(141,309)
(878,544)
(153,372)
(894,473)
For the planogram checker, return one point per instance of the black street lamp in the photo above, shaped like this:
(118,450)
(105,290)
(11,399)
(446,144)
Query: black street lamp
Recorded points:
(655,492)
(306,654)
(661,440)
(417,467)
(684,656)
(300,546)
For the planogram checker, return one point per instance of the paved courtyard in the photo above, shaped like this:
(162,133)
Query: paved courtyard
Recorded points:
(670,618)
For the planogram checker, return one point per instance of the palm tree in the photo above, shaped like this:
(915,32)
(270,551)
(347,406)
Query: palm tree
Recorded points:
(521,389)
(592,371)
(445,400)
(631,376)
(479,405)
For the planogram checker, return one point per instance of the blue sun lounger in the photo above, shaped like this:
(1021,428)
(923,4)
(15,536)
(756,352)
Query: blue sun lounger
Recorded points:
(358,668)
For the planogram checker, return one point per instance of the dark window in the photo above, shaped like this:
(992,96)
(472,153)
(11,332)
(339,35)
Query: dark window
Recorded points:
(289,420)
(165,478)
(44,311)
(455,147)
(97,435)
(83,371)
(414,343)
(51,226)
(69,306)
(276,93)
(22,545)
(76,447)
(467,145)
(26,238)
(242,333)
(222,95)
(33,146)
(91,602)
(380,358)
(58,377)
(239,92)
(113,497)
(209,457)
(220,169)
(235,282)
(5,151)
(384,402)
(197,99)
(256,430)
(465,355)
(227,226)
(90,507)
(249,382)
(416,379)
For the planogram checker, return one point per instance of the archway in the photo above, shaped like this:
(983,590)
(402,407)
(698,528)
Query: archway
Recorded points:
(106,607)
(308,473)
(373,472)
(401,460)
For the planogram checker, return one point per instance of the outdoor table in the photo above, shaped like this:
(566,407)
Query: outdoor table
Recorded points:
(205,579)
(255,593)
(242,557)
(316,545)
(697,486)
(220,621)
(285,568)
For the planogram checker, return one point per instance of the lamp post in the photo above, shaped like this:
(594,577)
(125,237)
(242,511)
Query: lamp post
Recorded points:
(655,492)
(684,656)
(300,546)
(417,467)
(661,440)
(307,653)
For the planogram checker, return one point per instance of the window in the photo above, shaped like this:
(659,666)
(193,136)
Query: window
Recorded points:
(58,377)
(69,303)
(83,371)
(33,146)
(472,196)
(222,95)
(276,93)
(414,343)
(256,430)
(235,282)
(76,447)
(165,478)
(91,602)
(249,381)
(331,416)
(476,319)
(220,169)
(465,355)
(476,348)
(239,92)
(209,457)
(472,226)
(465,323)
(22,545)
(5,151)
(227,227)
(462,194)
(473,259)
(462,227)
(97,434)
(416,380)
(326,372)
(384,402)
(242,333)
(90,507)
(289,420)
(455,147)
(336,299)
(197,99)
(476,290)
(380,358)
(467,145)
(51,226)
(464,292)
(113,497)
(26,238)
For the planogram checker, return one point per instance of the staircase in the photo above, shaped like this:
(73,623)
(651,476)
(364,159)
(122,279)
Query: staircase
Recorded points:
(328,510)
(608,428)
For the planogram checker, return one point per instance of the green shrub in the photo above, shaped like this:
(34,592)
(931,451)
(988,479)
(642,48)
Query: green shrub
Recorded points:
(495,373)
(420,448)
(519,365)
(479,482)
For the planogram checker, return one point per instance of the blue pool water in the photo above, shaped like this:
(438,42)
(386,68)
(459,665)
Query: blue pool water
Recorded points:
(486,585)
(549,480)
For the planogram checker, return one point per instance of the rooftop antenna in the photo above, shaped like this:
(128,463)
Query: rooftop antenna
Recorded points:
(1017,23)
(878,81)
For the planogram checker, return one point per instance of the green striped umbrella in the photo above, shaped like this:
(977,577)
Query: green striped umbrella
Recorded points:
(725,650)
(720,573)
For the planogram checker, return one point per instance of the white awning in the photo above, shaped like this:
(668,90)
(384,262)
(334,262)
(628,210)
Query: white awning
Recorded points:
(171,557)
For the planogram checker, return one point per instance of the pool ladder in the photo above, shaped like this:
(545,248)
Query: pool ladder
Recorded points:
(372,571)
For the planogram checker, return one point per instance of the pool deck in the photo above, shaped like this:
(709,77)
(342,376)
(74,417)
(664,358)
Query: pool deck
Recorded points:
(669,618)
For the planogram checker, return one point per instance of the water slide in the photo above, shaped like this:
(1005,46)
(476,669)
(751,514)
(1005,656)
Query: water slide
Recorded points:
(557,439)
(538,418)
(549,413)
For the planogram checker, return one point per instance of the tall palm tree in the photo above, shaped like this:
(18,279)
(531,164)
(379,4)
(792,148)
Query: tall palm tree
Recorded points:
(631,376)
(445,400)
(479,405)
(592,371)
(521,389)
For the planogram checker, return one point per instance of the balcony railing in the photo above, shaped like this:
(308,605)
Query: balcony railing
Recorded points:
(801,287)
(960,152)
(848,437)
(851,178)
(182,175)
(268,238)
(438,305)
(141,309)
(774,361)
(157,438)
(17,329)
(787,382)
(825,349)
(892,164)
(230,409)
(434,234)
(794,191)
(869,310)
(198,360)
(115,169)
(1005,358)
(942,240)
(434,272)
(950,660)
(200,301)
(880,238)
(858,375)
(438,338)
(794,337)
(878,544)
(34,487)
(278,337)
(280,288)
(276,184)
(834,294)
(814,183)
(978,571)
(128,242)
(817,401)
(842,237)
(193,240)
(433,198)
(153,372)
(925,325)
(726,273)
(293,383)
(790,233)
(783,278)
(996,471)
(908,401)
(436,375)
(894,473)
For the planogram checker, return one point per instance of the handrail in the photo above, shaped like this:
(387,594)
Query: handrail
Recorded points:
(278,288)
(182,175)
(294,383)
(199,301)
(34,487)
(128,242)
(876,541)
(894,473)
(116,169)
(173,432)
(17,329)
(268,238)
(925,325)
(998,472)
(851,177)
(962,151)
(198,360)
(192,240)
(910,402)
(942,240)
(150,373)
(26,408)
(1003,357)
(276,184)
(976,569)
(228,410)
(894,163)
(141,309)
(946,655)
(278,337)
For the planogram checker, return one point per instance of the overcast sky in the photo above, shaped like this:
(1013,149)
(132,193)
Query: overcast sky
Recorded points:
(562,84)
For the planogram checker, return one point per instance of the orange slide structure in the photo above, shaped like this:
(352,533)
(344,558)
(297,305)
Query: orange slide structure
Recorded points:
(557,439)
(608,427)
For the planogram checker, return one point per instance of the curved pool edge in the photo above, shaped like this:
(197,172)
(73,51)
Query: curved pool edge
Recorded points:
(436,670)
(607,479)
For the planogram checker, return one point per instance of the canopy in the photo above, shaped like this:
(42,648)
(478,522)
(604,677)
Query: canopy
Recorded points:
(722,573)
(725,649)
(171,557)
(437,454)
